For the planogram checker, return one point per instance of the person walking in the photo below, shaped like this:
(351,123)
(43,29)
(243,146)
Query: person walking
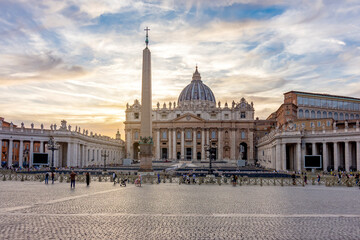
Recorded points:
(87,176)
(194,178)
(318,178)
(52,177)
(72,179)
(114,177)
(46,178)
(305,178)
(158,176)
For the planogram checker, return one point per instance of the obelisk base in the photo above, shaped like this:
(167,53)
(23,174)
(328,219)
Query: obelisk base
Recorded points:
(146,157)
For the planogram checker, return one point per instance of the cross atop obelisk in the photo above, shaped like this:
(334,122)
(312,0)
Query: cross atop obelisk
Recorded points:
(146,142)
(147,36)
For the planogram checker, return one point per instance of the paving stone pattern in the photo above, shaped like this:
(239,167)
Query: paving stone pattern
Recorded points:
(33,210)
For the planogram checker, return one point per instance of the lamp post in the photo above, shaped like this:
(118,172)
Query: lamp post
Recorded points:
(211,149)
(52,145)
(105,155)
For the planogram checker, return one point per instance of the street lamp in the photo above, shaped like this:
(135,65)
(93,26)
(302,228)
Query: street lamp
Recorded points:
(105,155)
(211,149)
(52,145)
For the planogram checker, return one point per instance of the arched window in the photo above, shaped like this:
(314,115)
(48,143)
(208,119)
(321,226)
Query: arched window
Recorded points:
(324,114)
(351,116)
(164,134)
(357,116)
(213,134)
(318,114)
(341,116)
(226,134)
(301,113)
(336,116)
(346,116)
(198,135)
(307,114)
(330,114)
(178,135)
(136,135)
(312,114)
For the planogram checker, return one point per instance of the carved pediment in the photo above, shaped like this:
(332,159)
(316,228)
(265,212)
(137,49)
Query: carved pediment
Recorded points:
(188,118)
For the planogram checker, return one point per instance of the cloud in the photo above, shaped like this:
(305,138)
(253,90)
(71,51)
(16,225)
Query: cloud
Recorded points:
(18,68)
(82,59)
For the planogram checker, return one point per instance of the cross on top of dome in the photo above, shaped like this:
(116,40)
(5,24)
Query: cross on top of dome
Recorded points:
(196,75)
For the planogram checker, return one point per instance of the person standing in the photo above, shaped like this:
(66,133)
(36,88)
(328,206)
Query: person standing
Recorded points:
(52,177)
(158,176)
(72,179)
(46,178)
(305,178)
(87,175)
(114,177)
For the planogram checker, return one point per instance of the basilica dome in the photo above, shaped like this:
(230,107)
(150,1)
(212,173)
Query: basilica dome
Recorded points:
(196,92)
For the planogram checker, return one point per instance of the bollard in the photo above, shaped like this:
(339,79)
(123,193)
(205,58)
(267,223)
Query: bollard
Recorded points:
(100,179)
(4,178)
(261,183)
(282,182)
(170,179)
(303,182)
(22,178)
(61,178)
(219,181)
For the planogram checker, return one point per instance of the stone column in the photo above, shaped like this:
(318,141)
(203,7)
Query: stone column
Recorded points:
(174,144)
(207,136)
(202,144)
(358,155)
(298,156)
(233,144)
(194,145)
(129,153)
(283,156)
(41,150)
(336,156)
(278,157)
(313,149)
(157,146)
(10,156)
(21,153)
(220,146)
(69,155)
(182,144)
(31,153)
(251,144)
(347,157)
(169,143)
(0,148)
(325,157)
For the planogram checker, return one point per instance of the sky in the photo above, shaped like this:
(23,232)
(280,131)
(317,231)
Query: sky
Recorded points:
(80,60)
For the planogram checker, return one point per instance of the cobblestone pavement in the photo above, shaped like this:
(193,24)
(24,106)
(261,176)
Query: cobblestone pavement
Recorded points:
(33,210)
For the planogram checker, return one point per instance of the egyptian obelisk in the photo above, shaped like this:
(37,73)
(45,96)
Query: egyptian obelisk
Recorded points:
(146,142)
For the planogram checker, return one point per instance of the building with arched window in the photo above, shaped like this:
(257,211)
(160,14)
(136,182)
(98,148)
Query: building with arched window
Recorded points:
(193,122)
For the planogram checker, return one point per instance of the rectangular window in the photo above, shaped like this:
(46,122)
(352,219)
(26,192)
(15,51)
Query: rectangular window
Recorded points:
(317,102)
(177,115)
(188,134)
(243,135)
(311,101)
(299,100)
(242,115)
(213,134)
(164,135)
(199,115)
(323,103)
(356,106)
(163,116)
(213,115)
(319,124)
(136,115)
(351,106)
(341,105)
(198,135)
(306,101)
(226,116)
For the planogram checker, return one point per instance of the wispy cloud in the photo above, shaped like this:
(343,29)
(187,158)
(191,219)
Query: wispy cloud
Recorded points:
(81,60)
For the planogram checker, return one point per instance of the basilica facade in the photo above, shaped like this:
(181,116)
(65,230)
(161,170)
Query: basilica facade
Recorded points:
(182,130)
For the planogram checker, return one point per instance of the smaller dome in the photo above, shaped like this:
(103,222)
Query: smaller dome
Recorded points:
(196,91)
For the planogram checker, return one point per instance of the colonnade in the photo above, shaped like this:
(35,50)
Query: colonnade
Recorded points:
(176,141)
